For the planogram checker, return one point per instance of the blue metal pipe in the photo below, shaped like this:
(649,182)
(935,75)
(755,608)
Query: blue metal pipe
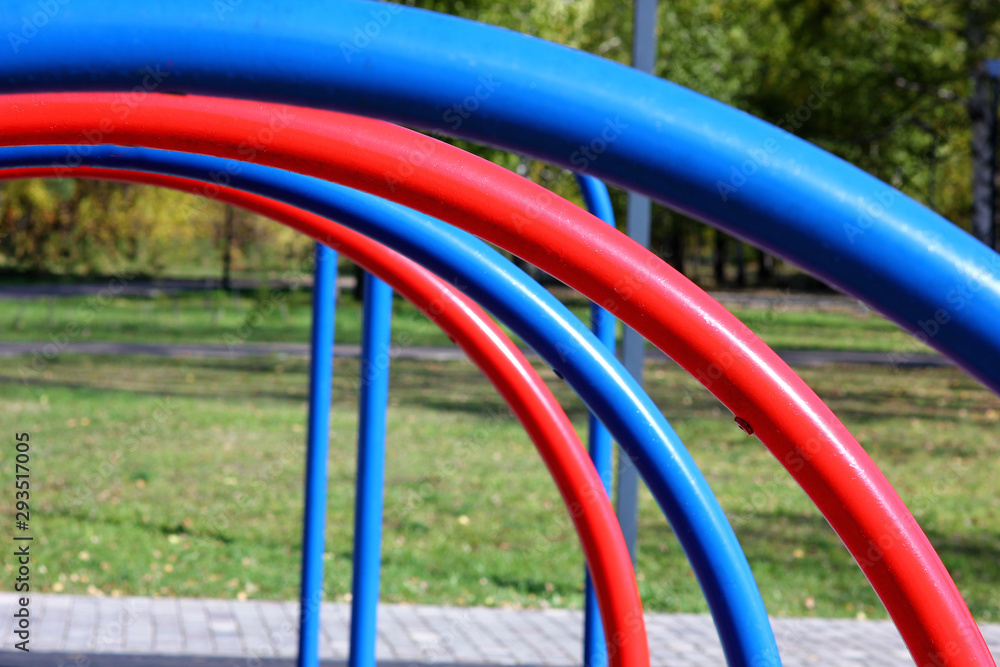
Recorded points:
(544,324)
(598,201)
(374,397)
(317,447)
(478,82)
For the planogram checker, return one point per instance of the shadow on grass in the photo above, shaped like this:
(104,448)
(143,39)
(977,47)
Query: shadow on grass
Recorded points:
(130,525)
(787,543)
(277,396)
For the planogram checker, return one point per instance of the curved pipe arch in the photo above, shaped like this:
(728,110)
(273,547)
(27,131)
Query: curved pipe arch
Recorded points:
(672,476)
(708,341)
(574,109)
(503,364)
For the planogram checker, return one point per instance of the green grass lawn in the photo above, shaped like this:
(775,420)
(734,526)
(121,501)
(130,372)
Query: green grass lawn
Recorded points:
(813,330)
(210,317)
(257,317)
(184,477)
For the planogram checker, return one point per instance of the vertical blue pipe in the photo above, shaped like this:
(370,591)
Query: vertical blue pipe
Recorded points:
(595,654)
(317,447)
(374,381)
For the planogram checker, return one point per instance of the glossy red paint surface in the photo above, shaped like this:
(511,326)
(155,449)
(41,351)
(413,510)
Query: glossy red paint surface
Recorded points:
(519,216)
(505,366)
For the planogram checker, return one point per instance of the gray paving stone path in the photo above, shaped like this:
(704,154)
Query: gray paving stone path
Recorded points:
(69,624)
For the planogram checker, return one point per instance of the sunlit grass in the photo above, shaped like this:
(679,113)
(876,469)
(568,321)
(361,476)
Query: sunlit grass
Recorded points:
(263,316)
(167,477)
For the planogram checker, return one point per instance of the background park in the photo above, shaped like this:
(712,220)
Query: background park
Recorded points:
(192,481)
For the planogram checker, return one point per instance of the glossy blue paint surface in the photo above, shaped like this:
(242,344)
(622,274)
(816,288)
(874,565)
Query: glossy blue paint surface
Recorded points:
(598,201)
(573,109)
(376,327)
(542,322)
(317,448)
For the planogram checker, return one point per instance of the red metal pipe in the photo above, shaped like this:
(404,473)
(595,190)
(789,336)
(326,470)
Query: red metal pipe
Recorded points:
(506,367)
(636,286)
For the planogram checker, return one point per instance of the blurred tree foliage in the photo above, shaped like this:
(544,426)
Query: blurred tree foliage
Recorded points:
(896,83)
(76,227)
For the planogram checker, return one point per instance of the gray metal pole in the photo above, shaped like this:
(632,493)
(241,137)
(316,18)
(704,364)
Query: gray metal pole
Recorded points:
(993,69)
(637,227)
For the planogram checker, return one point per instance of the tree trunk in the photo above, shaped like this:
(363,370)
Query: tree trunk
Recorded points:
(359,283)
(981,114)
(677,248)
(227,250)
(765,268)
(719,258)
(741,265)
